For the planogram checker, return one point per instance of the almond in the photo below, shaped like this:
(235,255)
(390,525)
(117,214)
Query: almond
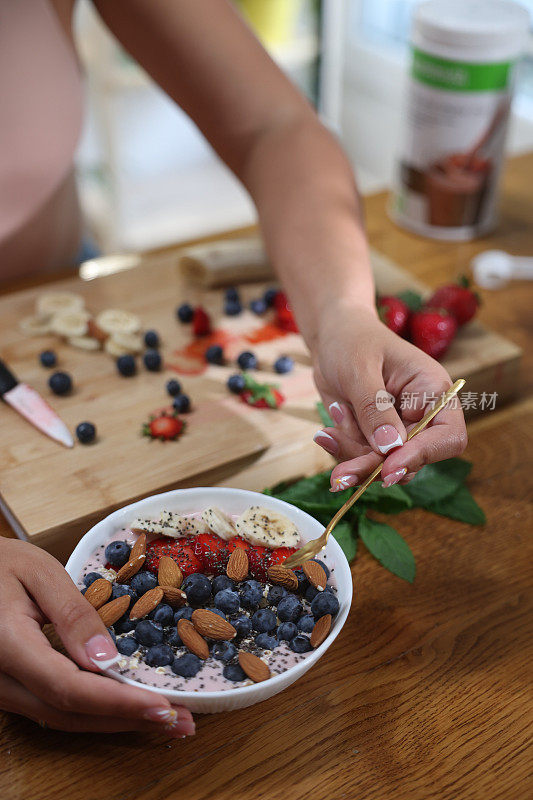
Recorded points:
(95,331)
(237,568)
(139,548)
(256,669)
(192,639)
(211,625)
(174,597)
(130,569)
(315,575)
(113,611)
(169,574)
(321,629)
(147,603)
(98,592)
(283,576)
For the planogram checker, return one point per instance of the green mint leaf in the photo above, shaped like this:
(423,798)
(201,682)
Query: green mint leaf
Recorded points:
(388,547)
(389,501)
(413,300)
(346,536)
(437,481)
(323,414)
(461,506)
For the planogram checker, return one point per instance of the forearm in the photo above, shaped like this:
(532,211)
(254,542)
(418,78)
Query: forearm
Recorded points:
(310,215)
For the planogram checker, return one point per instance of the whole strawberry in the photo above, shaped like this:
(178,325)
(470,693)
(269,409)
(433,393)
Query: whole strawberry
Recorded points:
(432,330)
(458,299)
(394,313)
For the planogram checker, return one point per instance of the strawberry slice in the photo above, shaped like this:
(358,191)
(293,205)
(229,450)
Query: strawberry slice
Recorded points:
(181,550)
(273,399)
(201,322)
(259,560)
(284,316)
(237,542)
(212,552)
(279,555)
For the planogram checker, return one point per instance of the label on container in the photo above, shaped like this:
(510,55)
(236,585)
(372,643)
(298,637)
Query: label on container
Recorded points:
(452,149)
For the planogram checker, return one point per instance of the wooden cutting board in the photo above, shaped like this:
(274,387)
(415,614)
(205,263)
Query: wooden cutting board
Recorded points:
(51,495)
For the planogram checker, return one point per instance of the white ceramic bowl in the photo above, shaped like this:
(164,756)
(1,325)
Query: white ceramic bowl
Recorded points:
(234,501)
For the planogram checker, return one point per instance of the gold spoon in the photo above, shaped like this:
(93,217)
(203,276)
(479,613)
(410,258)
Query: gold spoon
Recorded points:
(313,548)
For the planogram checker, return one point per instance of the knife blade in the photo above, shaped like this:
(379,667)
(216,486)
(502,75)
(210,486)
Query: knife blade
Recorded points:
(33,407)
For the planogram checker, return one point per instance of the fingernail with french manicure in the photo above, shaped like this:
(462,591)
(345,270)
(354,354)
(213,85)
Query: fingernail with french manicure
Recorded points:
(387,438)
(326,441)
(336,412)
(169,718)
(344,482)
(101,652)
(394,477)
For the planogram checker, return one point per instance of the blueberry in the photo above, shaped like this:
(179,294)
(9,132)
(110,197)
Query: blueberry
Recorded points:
(303,583)
(236,384)
(283,364)
(222,582)
(173,387)
(48,358)
(185,312)
(91,578)
(111,632)
(311,593)
(127,646)
(243,625)
(324,603)
(224,651)
(251,593)
(227,601)
(300,644)
(287,631)
(214,354)
(125,624)
(234,672)
(269,296)
(247,360)
(275,594)
(324,567)
(306,623)
(289,608)
(173,638)
(183,613)
(264,620)
(120,589)
(218,612)
(266,642)
(118,553)
(86,432)
(60,383)
(126,365)
(162,614)
(258,306)
(151,339)
(181,403)
(187,666)
(232,308)
(143,581)
(232,294)
(159,656)
(148,632)
(197,588)
(152,360)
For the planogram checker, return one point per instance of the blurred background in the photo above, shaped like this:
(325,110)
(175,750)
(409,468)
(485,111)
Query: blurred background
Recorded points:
(148,178)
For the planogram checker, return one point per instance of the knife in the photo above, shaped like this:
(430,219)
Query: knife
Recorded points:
(32,407)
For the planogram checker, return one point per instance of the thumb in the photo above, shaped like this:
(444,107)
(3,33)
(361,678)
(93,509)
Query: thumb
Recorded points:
(76,622)
(375,413)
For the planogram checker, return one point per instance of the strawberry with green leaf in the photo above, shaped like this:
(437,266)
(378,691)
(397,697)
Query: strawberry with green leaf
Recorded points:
(260,395)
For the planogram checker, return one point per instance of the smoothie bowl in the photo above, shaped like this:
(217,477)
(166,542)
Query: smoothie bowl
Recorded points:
(191,585)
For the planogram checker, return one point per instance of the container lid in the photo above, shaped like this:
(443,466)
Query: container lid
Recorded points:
(473,24)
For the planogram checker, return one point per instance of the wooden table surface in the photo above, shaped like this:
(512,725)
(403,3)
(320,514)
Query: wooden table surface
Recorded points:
(427,691)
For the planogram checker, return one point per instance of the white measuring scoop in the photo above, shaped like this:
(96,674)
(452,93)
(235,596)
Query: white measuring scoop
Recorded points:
(494,268)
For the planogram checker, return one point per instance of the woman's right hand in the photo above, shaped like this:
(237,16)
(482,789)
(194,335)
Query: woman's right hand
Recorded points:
(38,682)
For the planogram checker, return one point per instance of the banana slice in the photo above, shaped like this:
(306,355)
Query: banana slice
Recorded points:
(153,526)
(130,342)
(114,349)
(262,526)
(187,526)
(51,303)
(114,320)
(219,522)
(84,342)
(70,323)
(36,325)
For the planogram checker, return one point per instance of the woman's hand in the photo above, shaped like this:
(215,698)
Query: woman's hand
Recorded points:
(38,682)
(358,359)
